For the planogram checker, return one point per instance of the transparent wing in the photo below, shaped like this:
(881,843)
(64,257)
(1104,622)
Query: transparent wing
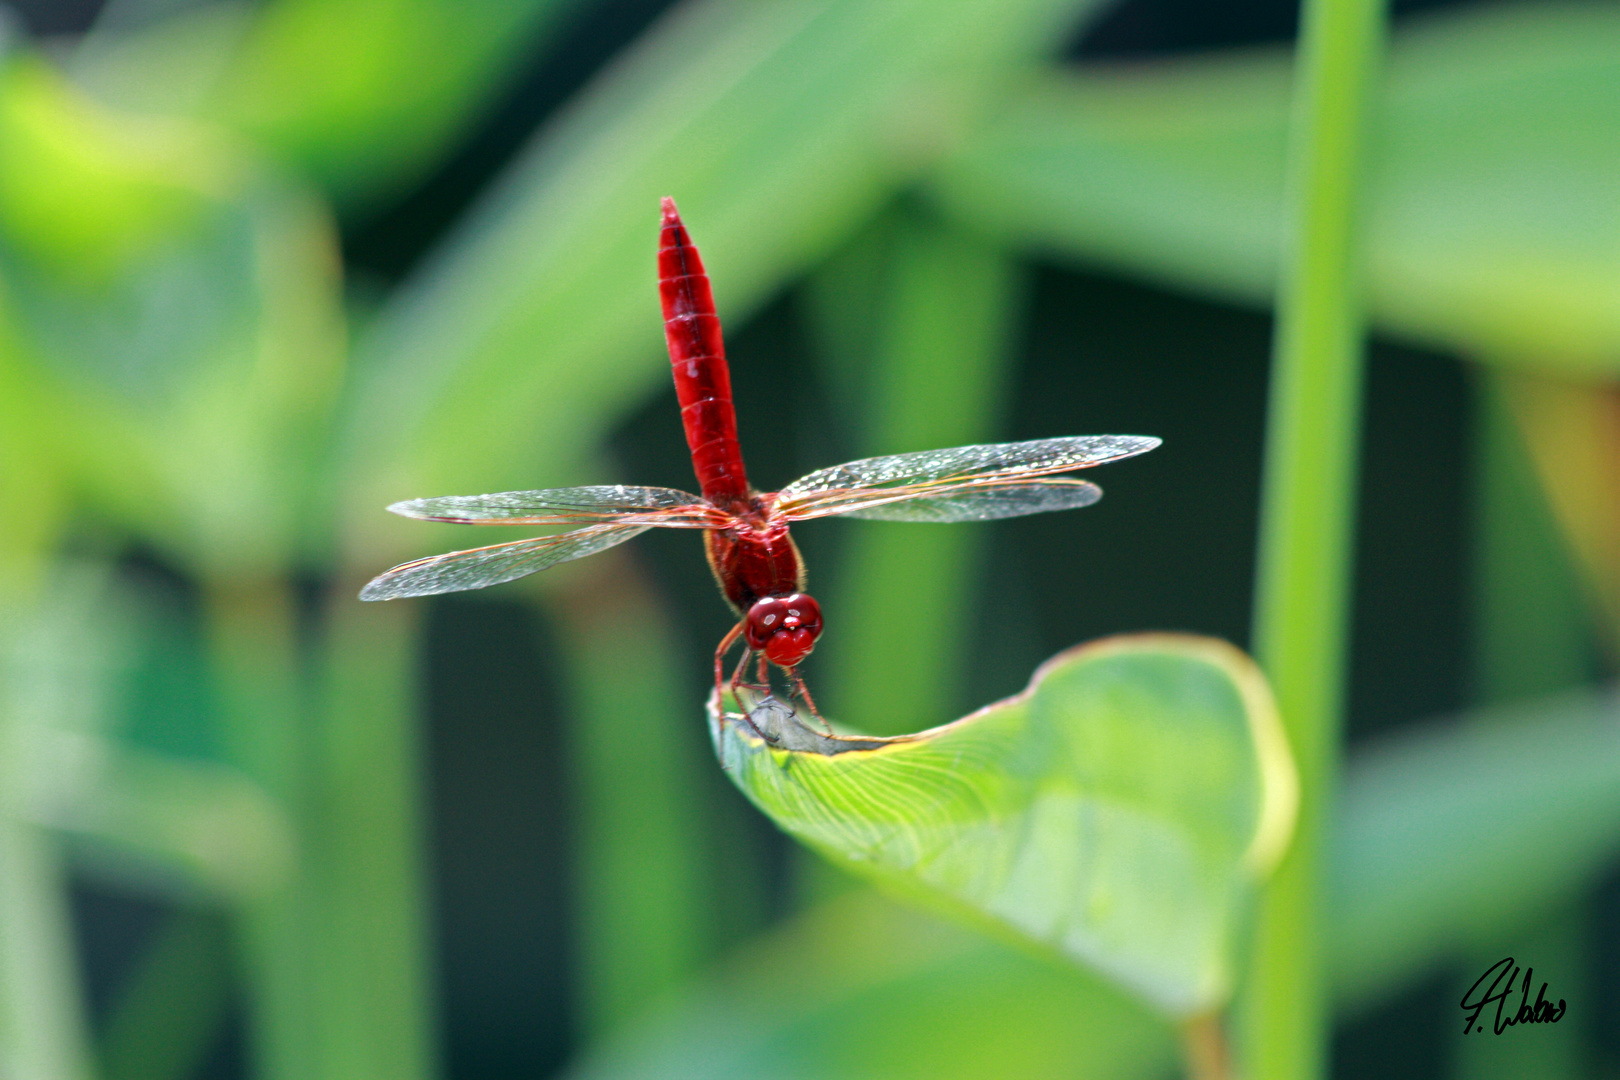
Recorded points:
(479,567)
(569,506)
(861,487)
(986,503)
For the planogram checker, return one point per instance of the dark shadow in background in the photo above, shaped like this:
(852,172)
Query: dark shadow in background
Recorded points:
(501,825)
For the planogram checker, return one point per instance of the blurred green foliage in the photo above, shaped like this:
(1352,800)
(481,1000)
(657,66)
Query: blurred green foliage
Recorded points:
(1176,175)
(181,374)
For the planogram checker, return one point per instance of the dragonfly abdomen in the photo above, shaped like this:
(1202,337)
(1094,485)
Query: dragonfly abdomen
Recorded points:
(697,356)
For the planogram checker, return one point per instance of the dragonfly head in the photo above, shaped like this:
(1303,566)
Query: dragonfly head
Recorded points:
(784,628)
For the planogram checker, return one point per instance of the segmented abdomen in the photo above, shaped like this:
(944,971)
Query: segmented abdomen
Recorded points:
(697,356)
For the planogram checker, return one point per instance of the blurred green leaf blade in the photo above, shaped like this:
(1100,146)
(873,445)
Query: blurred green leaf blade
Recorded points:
(162,824)
(1491,226)
(863,989)
(84,194)
(361,97)
(193,316)
(1453,835)
(917,322)
(364,96)
(1117,813)
(779,128)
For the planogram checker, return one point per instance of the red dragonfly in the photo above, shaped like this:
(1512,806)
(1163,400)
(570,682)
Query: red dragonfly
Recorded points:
(745,532)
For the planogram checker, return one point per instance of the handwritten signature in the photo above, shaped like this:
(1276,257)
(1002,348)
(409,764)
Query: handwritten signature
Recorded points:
(1505,974)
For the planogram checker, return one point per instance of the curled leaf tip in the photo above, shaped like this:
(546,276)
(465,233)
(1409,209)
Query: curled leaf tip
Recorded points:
(767,721)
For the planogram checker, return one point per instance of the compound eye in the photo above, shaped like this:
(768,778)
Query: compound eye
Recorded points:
(784,628)
(787,647)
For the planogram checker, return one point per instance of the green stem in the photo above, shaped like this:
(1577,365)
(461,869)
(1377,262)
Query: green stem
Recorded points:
(42,1030)
(647,905)
(254,656)
(335,957)
(934,376)
(43,1034)
(170,1014)
(1303,577)
(372,972)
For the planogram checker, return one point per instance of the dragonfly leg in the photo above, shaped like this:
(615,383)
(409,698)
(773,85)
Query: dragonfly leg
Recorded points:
(742,666)
(720,654)
(719,667)
(804,692)
(720,678)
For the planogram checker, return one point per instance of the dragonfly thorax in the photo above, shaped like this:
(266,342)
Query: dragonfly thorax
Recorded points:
(752,562)
(784,628)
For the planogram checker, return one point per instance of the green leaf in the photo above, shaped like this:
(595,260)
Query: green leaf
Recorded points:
(360,96)
(858,984)
(861,989)
(43,1031)
(157,821)
(366,94)
(1571,435)
(83,195)
(183,302)
(31,468)
(169,1010)
(1453,835)
(192,829)
(1491,225)
(1119,812)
